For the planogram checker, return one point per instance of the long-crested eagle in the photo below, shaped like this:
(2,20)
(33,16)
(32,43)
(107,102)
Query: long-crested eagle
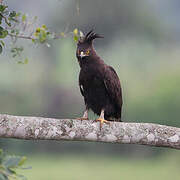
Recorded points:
(98,82)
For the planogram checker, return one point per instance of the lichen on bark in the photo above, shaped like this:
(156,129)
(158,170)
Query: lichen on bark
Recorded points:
(87,130)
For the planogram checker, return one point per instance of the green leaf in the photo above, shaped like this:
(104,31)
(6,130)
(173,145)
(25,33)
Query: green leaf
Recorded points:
(75,32)
(2,42)
(17,31)
(12,14)
(3,34)
(12,31)
(12,161)
(12,19)
(44,26)
(24,17)
(2,8)
(42,36)
(38,29)
(18,14)
(1,28)
(0,19)
(20,49)
(75,38)
(1,49)
(33,40)
(23,159)
(13,50)
(10,171)
(23,62)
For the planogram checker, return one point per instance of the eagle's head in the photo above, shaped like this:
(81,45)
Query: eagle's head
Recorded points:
(84,45)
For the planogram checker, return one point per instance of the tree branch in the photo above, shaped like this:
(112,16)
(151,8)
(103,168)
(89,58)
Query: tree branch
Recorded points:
(56,36)
(75,130)
(21,36)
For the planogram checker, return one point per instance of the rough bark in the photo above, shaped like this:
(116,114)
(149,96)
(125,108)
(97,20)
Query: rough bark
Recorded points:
(87,130)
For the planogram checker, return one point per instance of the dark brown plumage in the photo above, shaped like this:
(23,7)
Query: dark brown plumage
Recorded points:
(98,82)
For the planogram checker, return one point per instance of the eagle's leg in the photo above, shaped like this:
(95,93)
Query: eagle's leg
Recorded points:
(101,119)
(85,116)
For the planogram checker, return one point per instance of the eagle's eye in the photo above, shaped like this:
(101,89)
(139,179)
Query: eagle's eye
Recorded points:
(87,52)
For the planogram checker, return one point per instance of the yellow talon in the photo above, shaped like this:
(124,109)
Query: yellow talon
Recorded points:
(82,118)
(101,120)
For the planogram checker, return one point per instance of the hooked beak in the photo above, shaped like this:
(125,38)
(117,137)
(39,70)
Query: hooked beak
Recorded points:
(82,54)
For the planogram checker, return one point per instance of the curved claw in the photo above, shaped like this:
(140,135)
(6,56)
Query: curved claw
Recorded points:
(82,118)
(101,120)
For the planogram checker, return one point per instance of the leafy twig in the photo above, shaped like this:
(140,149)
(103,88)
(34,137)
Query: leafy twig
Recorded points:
(6,20)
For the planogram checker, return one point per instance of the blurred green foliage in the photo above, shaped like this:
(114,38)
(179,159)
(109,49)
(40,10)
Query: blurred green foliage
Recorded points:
(9,165)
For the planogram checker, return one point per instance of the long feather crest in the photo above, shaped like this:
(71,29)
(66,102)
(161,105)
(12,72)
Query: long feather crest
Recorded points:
(90,36)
